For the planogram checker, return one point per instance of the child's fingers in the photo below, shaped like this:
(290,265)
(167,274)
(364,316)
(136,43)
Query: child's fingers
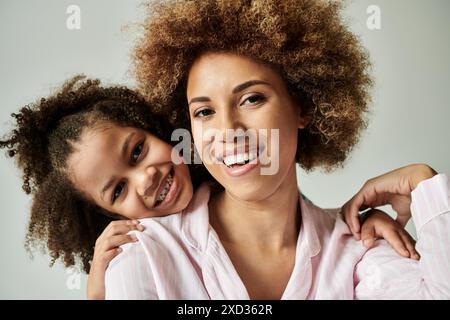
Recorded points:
(125,228)
(356,224)
(350,213)
(110,254)
(117,241)
(122,227)
(396,241)
(368,235)
(402,220)
(410,244)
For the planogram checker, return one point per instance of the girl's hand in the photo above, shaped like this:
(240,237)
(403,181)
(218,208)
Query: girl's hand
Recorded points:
(393,188)
(378,224)
(106,248)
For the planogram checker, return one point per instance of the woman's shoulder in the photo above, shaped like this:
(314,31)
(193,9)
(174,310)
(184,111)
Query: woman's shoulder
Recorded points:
(325,219)
(329,230)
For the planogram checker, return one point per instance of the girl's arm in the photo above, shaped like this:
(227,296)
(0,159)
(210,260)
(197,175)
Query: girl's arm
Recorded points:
(382,274)
(393,188)
(379,225)
(107,247)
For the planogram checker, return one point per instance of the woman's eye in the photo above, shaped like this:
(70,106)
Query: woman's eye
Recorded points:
(253,99)
(137,152)
(203,113)
(117,191)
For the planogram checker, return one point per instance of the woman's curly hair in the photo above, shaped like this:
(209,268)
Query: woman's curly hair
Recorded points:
(63,220)
(322,62)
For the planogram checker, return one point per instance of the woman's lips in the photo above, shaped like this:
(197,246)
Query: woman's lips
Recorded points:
(239,170)
(238,164)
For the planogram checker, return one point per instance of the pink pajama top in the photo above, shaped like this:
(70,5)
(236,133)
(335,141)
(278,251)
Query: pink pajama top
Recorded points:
(181,257)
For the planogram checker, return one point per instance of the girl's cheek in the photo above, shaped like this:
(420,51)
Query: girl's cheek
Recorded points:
(131,208)
(165,153)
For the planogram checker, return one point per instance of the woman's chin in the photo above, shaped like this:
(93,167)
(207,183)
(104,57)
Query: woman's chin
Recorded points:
(255,192)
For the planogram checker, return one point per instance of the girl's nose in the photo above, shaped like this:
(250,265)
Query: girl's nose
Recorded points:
(146,181)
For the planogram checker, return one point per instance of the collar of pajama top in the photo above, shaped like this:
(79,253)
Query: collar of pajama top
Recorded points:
(314,241)
(181,257)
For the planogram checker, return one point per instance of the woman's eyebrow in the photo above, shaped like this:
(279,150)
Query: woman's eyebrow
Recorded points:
(200,99)
(248,84)
(237,89)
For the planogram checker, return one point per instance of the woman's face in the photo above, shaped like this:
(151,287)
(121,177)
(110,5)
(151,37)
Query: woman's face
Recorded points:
(129,172)
(227,91)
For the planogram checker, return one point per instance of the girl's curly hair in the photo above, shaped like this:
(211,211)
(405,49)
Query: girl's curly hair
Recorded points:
(62,219)
(322,62)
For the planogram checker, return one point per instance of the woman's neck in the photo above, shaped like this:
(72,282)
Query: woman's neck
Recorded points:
(269,224)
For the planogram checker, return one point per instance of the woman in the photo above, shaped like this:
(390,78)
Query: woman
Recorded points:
(292,67)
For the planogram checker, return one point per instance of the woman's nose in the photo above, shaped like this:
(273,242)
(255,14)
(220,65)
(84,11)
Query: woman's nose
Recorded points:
(146,180)
(229,124)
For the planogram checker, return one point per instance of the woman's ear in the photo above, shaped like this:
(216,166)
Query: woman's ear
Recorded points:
(303,120)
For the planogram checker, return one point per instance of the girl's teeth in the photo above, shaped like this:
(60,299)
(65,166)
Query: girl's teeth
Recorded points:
(166,188)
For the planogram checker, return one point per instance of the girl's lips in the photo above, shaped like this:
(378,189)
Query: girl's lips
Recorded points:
(173,191)
(161,186)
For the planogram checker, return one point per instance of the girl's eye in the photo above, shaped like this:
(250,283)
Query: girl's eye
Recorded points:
(137,152)
(203,113)
(117,191)
(253,99)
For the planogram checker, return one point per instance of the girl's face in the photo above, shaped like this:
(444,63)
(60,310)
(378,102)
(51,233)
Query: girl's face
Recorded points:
(227,91)
(129,172)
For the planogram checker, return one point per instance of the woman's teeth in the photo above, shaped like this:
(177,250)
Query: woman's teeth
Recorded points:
(166,189)
(239,159)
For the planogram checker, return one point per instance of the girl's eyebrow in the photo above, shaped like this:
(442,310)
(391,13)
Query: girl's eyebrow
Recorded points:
(107,186)
(126,144)
(237,89)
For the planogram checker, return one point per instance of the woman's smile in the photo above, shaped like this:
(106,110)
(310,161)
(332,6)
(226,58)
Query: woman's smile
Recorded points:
(238,160)
(240,112)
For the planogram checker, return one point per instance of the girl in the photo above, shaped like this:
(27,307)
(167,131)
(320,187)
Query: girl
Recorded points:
(93,156)
(60,144)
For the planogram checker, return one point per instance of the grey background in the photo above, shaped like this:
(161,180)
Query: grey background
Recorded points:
(408,124)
